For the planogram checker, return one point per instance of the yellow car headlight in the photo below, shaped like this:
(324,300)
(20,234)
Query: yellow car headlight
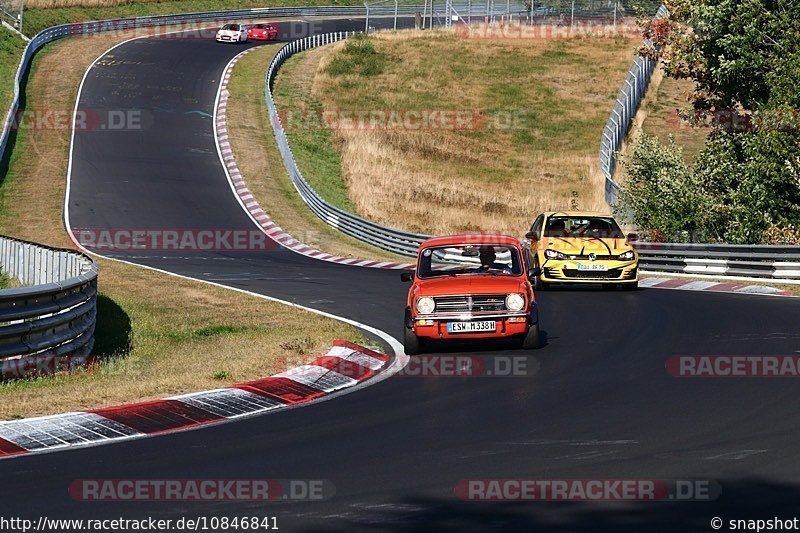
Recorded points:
(554,254)
(627,256)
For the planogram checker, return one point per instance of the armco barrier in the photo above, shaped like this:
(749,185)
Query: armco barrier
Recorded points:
(622,113)
(748,261)
(54,312)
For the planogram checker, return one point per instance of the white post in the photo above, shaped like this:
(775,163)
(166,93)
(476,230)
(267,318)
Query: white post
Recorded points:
(615,16)
(572,18)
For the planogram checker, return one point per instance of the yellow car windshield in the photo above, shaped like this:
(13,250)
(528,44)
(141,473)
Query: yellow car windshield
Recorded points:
(583,227)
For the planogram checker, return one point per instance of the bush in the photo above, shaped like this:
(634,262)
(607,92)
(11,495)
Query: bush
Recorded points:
(741,185)
(359,56)
(661,194)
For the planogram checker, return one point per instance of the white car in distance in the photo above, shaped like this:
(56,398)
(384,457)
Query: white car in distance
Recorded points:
(232,33)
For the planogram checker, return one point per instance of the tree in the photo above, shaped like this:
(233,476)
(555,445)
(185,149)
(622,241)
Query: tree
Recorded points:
(744,59)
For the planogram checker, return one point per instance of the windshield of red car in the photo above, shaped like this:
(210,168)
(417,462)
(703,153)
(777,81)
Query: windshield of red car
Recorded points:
(587,227)
(468,259)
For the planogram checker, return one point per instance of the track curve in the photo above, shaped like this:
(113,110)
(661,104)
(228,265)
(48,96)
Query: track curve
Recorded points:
(599,406)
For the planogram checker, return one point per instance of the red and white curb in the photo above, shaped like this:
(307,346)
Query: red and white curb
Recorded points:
(249,202)
(710,286)
(345,365)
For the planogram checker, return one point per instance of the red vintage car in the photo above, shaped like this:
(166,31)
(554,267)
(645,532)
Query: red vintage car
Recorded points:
(262,32)
(470,287)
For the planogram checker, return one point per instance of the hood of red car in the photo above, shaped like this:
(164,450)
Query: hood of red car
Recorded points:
(469,284)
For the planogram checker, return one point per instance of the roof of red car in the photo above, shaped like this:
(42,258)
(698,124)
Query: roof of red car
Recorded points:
(471,238)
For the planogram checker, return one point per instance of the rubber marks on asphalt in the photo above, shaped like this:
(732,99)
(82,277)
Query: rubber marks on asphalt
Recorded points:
(251,204)
(713,286)
(345,365)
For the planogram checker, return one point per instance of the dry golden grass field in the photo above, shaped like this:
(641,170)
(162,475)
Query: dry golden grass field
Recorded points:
(541,106)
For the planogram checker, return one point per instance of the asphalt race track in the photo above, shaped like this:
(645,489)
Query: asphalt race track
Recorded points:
(597,403)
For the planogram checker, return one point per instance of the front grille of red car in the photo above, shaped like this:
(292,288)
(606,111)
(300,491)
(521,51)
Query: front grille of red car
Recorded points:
(467,303)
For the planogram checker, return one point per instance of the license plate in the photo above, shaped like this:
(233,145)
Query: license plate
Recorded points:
(592,268)
(471,327)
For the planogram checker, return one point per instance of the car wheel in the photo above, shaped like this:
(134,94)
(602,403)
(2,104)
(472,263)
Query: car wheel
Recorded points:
(411,343)
(531,340)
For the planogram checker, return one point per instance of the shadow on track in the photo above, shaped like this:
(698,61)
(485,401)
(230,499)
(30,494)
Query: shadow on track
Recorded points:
(743,499)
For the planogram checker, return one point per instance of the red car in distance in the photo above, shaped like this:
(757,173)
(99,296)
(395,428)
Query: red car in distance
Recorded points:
(262,32)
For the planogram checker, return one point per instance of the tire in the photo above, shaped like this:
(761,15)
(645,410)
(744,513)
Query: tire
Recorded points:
(412,344)
(531,340)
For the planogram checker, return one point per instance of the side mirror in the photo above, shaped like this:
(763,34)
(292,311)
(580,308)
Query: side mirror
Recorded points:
(407,276)
(531,235)
(534,273)
(632,237)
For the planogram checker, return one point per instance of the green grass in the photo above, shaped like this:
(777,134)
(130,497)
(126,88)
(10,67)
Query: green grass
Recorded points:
(11,47)
(662,120)
(359,56)
(313,148)
(38,19)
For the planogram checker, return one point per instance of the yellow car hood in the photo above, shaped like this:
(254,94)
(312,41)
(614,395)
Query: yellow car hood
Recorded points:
(587,245)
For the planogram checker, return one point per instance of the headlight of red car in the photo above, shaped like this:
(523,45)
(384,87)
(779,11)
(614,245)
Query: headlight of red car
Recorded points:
(515,302)
(425,305)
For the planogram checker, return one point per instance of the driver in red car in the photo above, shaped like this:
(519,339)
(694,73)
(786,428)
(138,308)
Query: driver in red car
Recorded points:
(487,256)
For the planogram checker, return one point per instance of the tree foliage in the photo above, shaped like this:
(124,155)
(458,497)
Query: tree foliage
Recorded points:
(744,59)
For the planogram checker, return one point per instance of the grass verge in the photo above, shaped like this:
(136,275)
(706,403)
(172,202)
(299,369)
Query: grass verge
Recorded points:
(257,156)
(11,47)
(158,335)
(540,107)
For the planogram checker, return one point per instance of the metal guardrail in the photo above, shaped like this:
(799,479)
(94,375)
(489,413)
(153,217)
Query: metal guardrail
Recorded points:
(777,263)
(55,312)
(628,99)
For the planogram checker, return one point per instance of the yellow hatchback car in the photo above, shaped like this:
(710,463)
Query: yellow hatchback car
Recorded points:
(582,247)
